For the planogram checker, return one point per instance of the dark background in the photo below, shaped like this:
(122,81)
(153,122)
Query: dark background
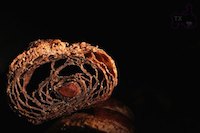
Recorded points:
(158,65)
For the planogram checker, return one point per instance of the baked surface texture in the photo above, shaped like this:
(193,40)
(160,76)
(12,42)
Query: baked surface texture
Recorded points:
(111,116)
(52,78)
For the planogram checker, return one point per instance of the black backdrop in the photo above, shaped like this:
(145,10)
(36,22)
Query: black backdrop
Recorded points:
(158,65)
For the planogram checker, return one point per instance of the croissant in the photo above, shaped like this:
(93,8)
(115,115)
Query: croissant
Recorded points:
(52,78)
(110,116)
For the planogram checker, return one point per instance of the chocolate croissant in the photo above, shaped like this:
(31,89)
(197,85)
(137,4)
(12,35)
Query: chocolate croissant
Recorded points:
(52,78)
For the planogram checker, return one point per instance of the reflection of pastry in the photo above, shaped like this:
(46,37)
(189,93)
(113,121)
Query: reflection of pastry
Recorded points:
(52,78)
(109,117)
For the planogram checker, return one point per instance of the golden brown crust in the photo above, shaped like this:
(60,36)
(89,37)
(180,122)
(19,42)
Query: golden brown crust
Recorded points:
(93,72)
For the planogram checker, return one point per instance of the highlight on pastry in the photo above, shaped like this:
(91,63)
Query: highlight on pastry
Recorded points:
(52,78)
